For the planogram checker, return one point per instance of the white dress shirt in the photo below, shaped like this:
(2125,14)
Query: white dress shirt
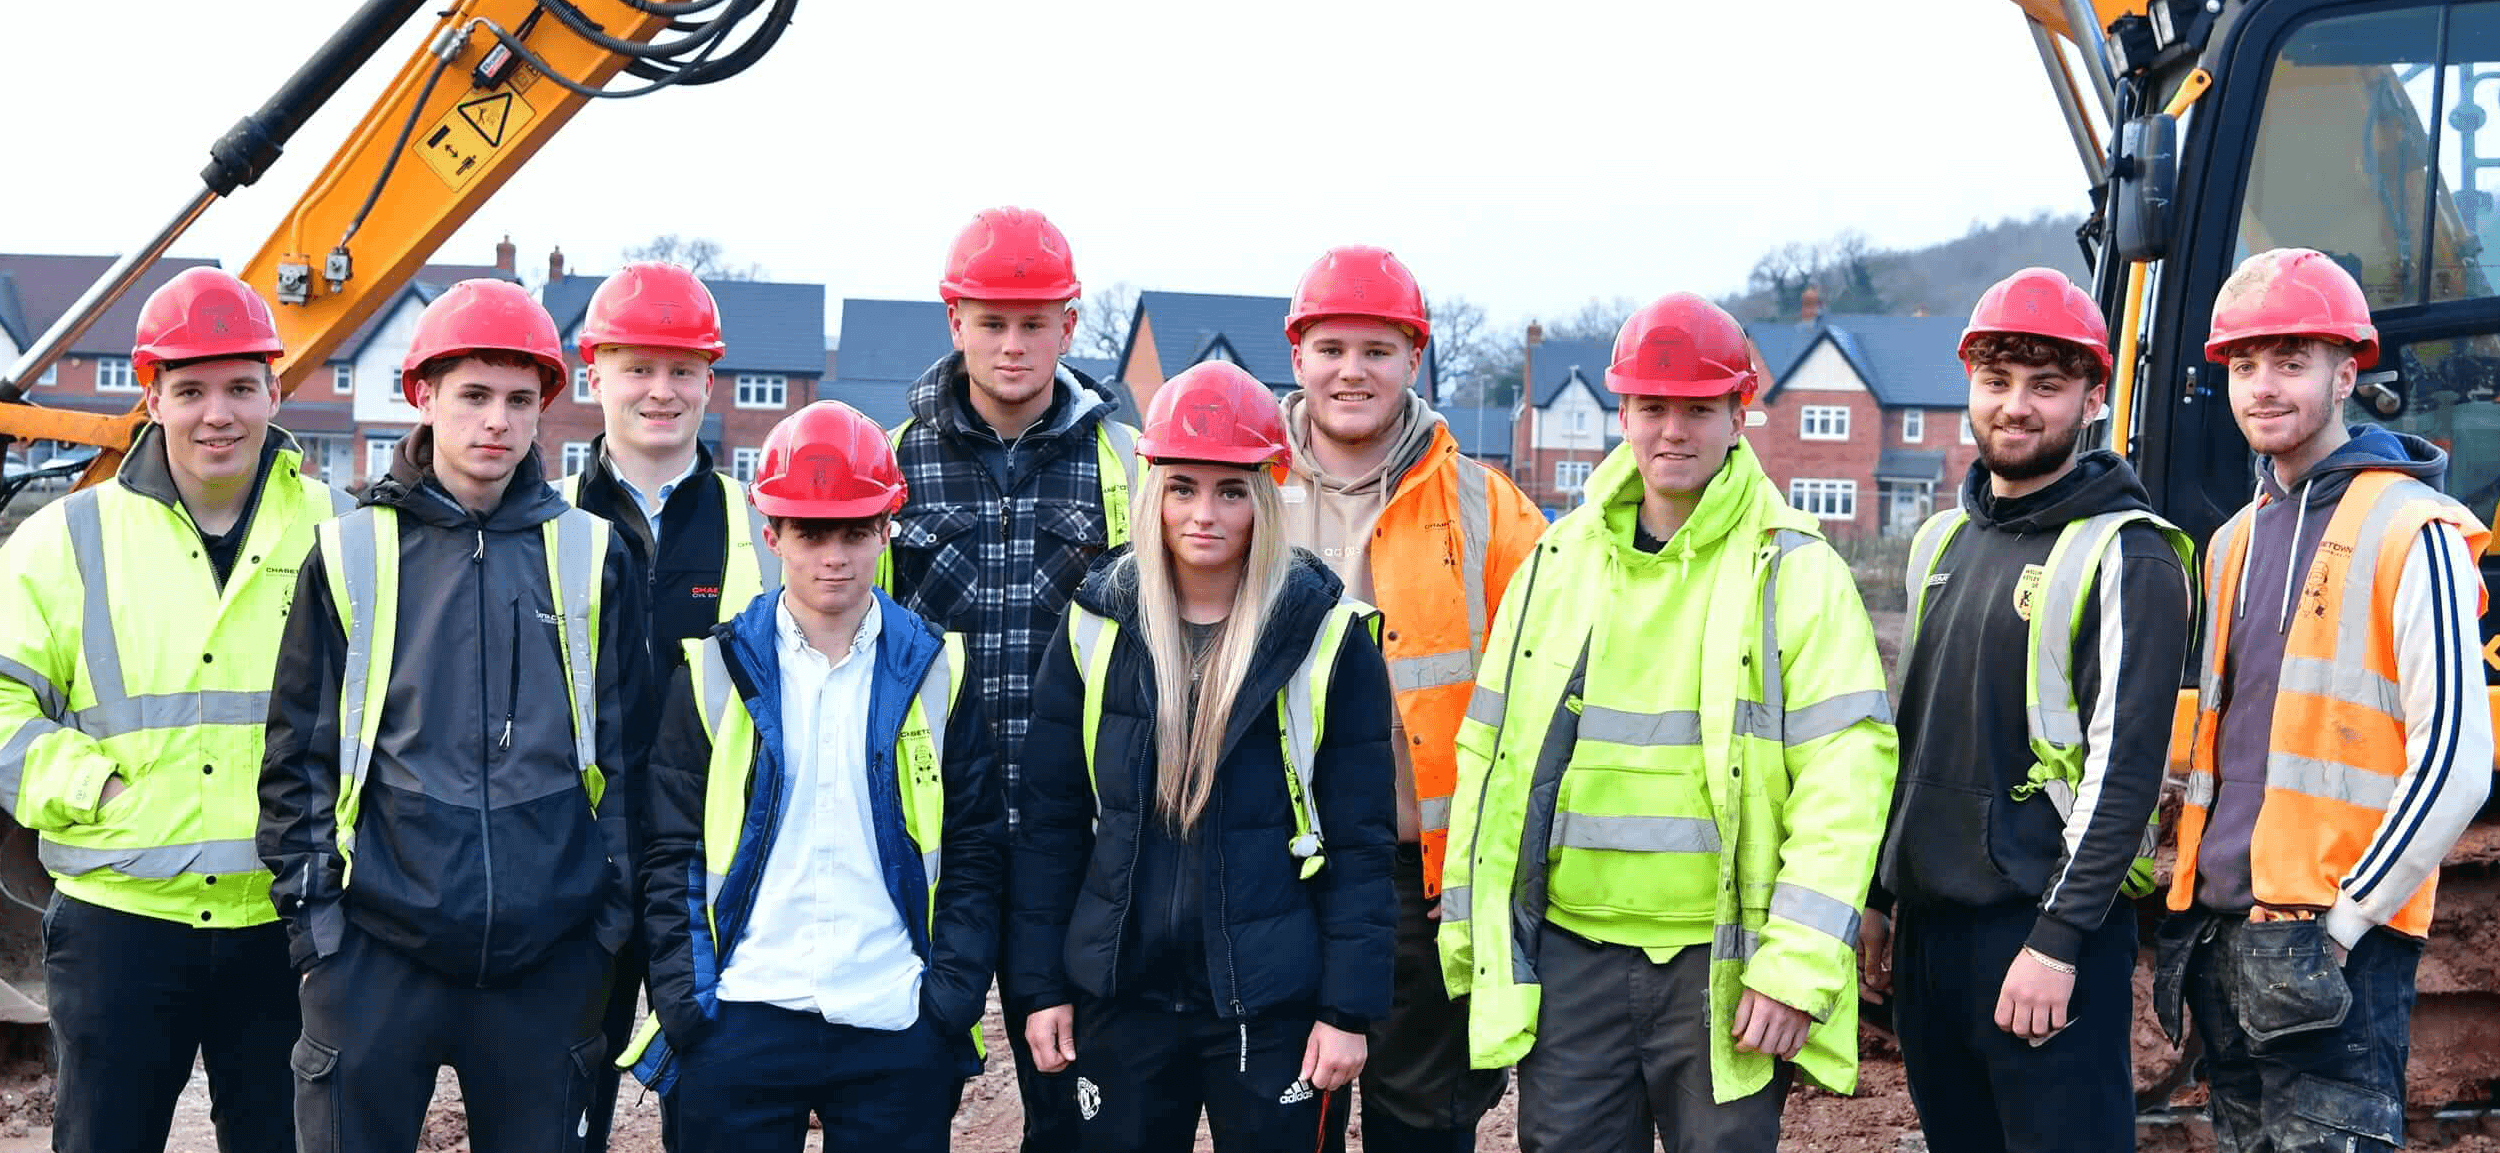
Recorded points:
(825,937)
(650,506)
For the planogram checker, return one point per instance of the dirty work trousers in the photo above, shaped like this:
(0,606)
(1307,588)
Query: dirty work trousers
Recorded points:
(1419,1096)
(378,1027)
(134,999)
(755,1073)
(2287,1077)
(1980,1089)
(617,1025)
(1143,1074)
(1623,1050)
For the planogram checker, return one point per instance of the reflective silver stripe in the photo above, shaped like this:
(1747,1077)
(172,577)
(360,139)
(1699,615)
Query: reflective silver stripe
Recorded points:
(1733,943)
(2329,781)
(1837,714)
(204,858)
(937,699)
(2200,790)
(767,566)
(171,711)
(1753,720)
(2352,625)
(1820,912)
(713,883)
(715,683)
(341,503)
(1614,726)
(1433,813)
(2209,678)
(576,570)
(929,865)
(359,570)
(1413,674)
(48,697)
(1085,633)
(1635,834)
(1926,549)
(1124,446)
(1485,706)
(1457,904)
(2351,684)
(95,626)
(1475,526)
(1774,691)
(2073,562)
(13,757)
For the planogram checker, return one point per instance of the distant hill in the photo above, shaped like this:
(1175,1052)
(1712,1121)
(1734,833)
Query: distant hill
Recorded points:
(1937,280)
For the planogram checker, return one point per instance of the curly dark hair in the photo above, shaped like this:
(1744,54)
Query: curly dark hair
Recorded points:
(2033,352)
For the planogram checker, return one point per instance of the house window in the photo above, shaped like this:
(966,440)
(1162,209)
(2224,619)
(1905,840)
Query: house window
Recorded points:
(1823,422)
(378,450)
(1579,420)
(343,377)
(763,390)
(51,374)
(1913,426)
(576,456)
(581,384)
(1569,475)
(1967,438)
(112,374)
(743,463)
(1825,499)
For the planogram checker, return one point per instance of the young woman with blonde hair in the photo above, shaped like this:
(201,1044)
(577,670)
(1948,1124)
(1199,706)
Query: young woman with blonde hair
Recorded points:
(1201,910)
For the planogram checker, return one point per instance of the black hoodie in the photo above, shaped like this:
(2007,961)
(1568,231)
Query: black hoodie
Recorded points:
(477,850)
(1957,836)
(1126,911)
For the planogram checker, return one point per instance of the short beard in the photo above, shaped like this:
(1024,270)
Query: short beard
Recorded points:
(2051,455)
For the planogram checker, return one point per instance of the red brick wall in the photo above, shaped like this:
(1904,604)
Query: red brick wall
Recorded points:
(568,419)
(1786,455)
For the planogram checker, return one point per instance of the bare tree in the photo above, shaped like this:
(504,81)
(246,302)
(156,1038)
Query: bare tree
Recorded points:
(1466,352)
(1102,330)
(701,254)
(1596,320)
(1782,275)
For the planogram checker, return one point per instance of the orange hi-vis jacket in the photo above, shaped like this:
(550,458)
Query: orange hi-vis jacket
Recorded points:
(2338,747)
(1441,554)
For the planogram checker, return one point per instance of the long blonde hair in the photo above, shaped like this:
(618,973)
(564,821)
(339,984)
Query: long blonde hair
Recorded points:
(1186,753)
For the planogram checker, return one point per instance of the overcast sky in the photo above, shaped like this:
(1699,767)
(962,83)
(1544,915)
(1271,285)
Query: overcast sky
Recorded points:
(1528,157)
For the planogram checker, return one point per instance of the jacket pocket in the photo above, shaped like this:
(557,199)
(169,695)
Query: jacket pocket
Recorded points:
(316,1095)
(1068,537)
(1634,842)
(935,568)
(2332,1114)
(2288,981)
(581,1075)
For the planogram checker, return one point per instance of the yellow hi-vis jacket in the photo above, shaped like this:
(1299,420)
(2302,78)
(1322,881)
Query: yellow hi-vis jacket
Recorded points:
(1691,748)
(120,654)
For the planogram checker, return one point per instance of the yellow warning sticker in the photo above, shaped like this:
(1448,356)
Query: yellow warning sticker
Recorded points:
(2027,589)
(458,146)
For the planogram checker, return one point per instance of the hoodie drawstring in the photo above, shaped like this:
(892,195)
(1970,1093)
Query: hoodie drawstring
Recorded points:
(2239,596)
(2300,522)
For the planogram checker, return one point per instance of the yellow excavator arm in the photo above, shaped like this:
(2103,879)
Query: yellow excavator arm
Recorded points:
(493,81)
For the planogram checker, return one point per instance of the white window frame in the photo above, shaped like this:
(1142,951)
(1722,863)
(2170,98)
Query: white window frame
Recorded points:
(576,456)
(343,378)
(378,452)
(581,385)
(1823,422)
(1914,426)
(743,462)
(1572,475)
(1968,435)
(763,390)
(1824,499)
(51,374)
(112,374)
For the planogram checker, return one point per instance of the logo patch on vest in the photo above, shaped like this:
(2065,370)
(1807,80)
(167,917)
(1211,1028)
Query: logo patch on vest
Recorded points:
(704,592)
(2027,589)
(550,619)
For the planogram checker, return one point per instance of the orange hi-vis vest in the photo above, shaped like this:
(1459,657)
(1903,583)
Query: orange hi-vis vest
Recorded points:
(1441,556)
(2338,739)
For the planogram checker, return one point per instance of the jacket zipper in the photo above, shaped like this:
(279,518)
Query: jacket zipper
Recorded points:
(485,830)
(1224,925)
(1136,850)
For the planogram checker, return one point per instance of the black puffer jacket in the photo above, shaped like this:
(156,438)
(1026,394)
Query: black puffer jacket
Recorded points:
(1273,943)
(476,852)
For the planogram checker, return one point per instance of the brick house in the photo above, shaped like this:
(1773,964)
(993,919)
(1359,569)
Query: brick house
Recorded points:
(775,333)
(1172,330)
(1863,420)
(886,345)
(1564,422)
(364,372)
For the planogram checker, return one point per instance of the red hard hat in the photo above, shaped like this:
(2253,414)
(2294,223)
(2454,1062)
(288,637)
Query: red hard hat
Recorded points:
(199,314)
(481,315)
(653,304)
(1682,345)
(827,461)
(2293,292)
(1215,412)
(1009,254)
(2040,302)
(1359,280)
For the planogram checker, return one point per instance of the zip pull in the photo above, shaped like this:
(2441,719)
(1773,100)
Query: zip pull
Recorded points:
(506,741)
(481,547)
(1243,1066)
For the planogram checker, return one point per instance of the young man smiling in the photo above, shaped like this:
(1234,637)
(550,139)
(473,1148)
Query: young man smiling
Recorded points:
(1380,491)
(452,867)
(2342,743)
(2048,627)
(139,621)
(1019,478)
(819,758)
(1671,783)
(649,339)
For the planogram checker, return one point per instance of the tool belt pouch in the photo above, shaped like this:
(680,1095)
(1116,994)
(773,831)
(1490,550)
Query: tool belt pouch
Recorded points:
(2174,947)
(2288,980)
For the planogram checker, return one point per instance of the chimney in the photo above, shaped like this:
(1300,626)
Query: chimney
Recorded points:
(1811,305)
(507,258)
(1527,367)
(555,264)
